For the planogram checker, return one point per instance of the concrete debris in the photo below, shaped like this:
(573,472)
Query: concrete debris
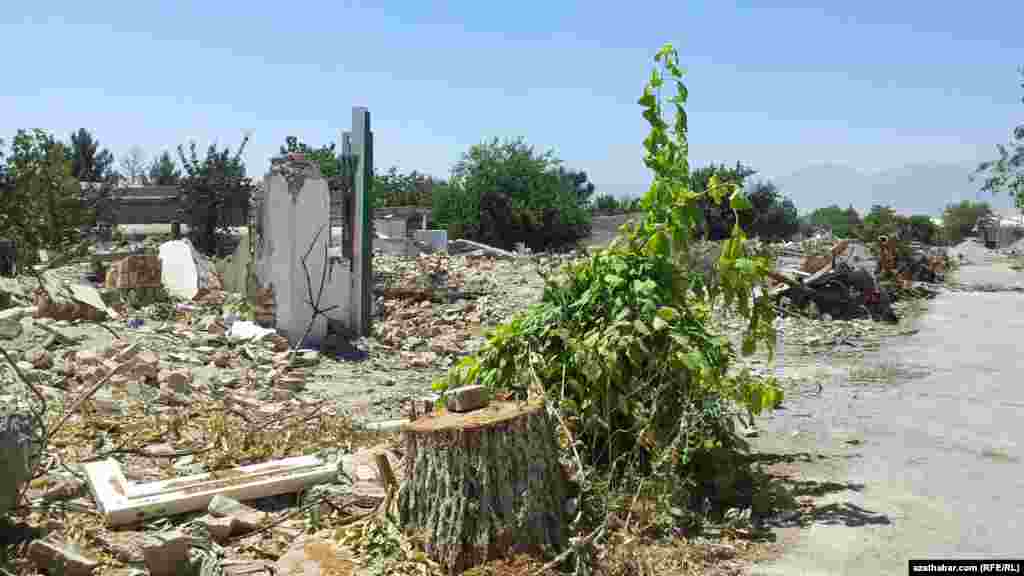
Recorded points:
(461,246)
(58,557)
(126,546)
(184,271)
(219,528)
(67,301)
(246,330)
(166,554)
(40,359)
(467,398)
(135,271)
(243,518)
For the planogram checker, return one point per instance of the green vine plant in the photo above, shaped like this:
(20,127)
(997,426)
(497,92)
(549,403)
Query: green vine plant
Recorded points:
(622,345)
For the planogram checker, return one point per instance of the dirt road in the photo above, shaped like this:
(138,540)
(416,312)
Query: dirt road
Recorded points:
(923,459)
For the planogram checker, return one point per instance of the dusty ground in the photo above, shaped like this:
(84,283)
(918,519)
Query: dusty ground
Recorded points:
(915,447)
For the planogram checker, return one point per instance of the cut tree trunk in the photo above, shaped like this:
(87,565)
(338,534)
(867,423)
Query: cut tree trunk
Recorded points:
(485,484)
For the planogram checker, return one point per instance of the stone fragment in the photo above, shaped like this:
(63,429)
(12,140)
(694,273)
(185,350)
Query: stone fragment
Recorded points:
(58,557)
(126,546)
(135,271)
(246,518)
(176,381)
(221,359)
(40,359)
(220,528)
(166,554)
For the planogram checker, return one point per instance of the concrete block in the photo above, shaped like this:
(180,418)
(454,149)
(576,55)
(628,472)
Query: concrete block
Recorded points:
(466,398)
(437,239)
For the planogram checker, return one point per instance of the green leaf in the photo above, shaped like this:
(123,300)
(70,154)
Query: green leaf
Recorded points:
(613,280)
(659,324)
(739,201)
(668,313)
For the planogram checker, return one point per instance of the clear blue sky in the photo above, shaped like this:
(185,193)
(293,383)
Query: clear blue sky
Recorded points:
(778,85)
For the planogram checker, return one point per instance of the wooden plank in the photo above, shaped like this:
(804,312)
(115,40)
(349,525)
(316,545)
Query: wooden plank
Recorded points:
(122,502)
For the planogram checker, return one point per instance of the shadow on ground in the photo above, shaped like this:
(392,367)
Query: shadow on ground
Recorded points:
(806,495)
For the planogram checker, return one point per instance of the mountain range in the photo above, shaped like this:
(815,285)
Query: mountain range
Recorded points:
(909,189)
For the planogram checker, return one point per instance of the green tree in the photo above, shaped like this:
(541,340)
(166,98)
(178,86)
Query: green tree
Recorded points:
(920,228)
(325,156)
(394,188)
(606,203)
(958,220)
(88,162)
(842,223)
(502,193)
(1006,174)
(622,341)
(853,220)
(164,170)
(880,221)
(212,188)
(577,180)
(772,217)
(133,165)
(718,217)
(41,202)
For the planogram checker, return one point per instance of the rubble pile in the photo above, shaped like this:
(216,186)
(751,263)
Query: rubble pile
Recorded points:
(198,383)
(435,307)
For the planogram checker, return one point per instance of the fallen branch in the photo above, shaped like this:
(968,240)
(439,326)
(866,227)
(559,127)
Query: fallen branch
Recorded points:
(574,547)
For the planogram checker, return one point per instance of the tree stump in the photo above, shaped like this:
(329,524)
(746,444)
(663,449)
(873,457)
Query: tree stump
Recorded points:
(484,484)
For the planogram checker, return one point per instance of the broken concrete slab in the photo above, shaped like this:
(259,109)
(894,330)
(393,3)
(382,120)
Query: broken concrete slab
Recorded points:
(59,557)
(436,239)
(184,271)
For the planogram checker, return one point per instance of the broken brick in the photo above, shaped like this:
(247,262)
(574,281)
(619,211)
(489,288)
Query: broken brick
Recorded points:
(245,518)
(57,557)
(40,359)
(166,554)
(466,398)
